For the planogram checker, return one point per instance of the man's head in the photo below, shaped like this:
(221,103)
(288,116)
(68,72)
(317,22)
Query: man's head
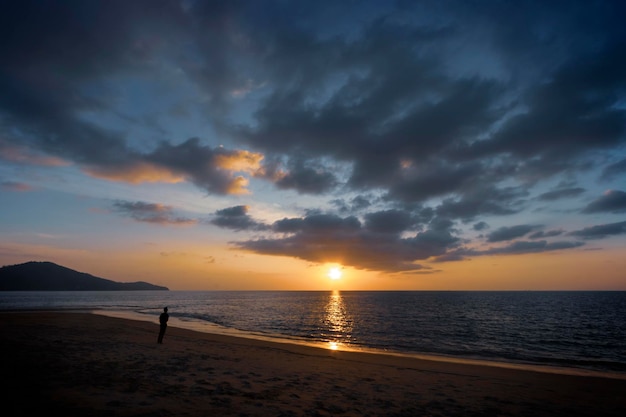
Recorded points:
(165,309)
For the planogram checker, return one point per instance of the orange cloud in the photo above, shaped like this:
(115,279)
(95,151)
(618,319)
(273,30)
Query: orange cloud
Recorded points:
(238,186)
(24,155)
(245,161)
(136,173)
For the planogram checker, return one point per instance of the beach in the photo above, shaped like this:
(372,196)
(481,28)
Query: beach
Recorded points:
(82,364)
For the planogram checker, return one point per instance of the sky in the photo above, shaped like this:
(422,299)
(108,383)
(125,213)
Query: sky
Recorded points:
(258,145)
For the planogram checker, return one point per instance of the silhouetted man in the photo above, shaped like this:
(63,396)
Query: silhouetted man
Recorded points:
(163,321)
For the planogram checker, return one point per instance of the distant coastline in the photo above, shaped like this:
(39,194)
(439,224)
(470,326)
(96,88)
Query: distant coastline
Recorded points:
(48,276)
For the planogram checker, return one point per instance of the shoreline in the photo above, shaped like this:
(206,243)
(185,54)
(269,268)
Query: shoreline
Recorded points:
(211,328)
(90,364)
(215,329)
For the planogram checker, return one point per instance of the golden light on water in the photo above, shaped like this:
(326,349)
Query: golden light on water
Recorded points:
(337,321)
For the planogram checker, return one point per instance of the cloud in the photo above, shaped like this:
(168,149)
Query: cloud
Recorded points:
(212,169)
(480,226)
(417,130)
(613,201)
(389,221)
(355,204)
(134,173)
(568,115)
(320,237)
(482,201)
(614,170)
(423,127)
(543,234)
(53,56)
(601,231)
(15,186)
(236,218)
(561,193)
(407,119)
(318,223)
(18,154)
(510,233)
(432,181)
(376,116)
(151,213)
(520,247)
(47,95)
(523,247)
(304,176)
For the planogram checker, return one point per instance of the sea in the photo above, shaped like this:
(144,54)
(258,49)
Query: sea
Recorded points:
(579,330)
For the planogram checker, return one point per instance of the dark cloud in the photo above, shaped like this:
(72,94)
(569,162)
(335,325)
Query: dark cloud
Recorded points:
(434,181)
(601,231)
(430,116)
(572,113)
(330,238)
(53,58)
(520,247)
(151,213)
(483,201)
(210,169)
(614,170)
(381,121)
(543,234)
(307,179)
(50,56)
(510,232)
(236,218)
(318,223)
(356,204)
(389,221)
(360,119)
(480,226)
(523,247)
(613,201)
(561,193)
(407,119)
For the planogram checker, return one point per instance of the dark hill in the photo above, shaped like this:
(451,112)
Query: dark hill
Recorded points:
(48,276)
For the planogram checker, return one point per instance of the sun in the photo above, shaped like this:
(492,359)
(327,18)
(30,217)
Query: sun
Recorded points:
(334,273)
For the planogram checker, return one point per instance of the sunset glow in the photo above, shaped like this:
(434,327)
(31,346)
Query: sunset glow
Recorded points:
(334,273)
(317,145)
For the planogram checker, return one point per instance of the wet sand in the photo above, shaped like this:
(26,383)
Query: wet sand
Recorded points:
(80,364)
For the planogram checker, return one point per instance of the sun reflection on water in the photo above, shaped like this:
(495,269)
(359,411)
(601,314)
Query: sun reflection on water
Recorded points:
(338,323)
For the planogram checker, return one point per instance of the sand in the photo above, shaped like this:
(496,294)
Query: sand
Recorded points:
(81,364)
